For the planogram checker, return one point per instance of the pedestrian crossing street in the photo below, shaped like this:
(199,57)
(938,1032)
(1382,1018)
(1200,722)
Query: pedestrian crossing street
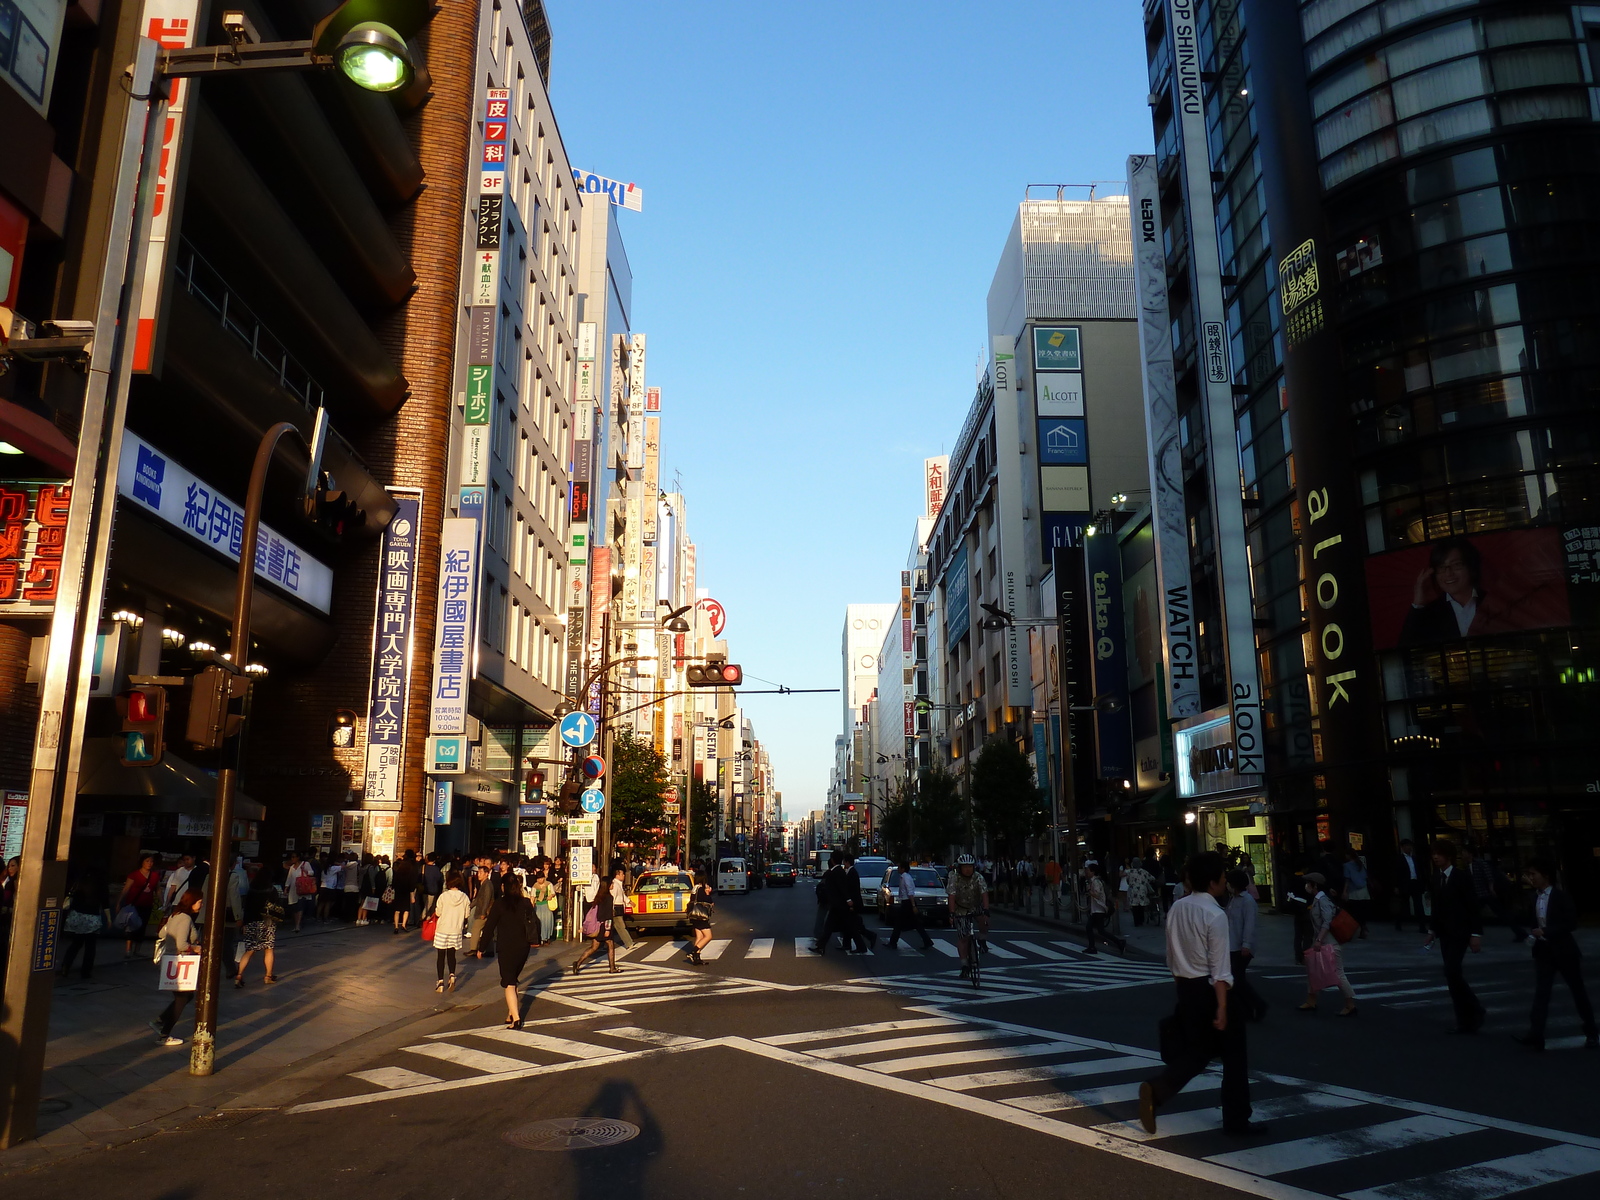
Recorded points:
(1505,990)
(1088,973)
(1323,1141)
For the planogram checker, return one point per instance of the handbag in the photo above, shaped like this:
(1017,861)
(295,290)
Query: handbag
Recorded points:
(305,885)
(1343,926)
(591,922)
(370,904)
(83,923)
(1322,968)
(430,926)
(388,895)
(554,902)
(127,919)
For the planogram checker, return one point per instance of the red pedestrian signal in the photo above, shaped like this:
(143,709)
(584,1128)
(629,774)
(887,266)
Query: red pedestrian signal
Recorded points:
(143,711)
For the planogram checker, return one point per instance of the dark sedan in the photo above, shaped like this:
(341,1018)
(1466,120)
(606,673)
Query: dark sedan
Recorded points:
(780,874)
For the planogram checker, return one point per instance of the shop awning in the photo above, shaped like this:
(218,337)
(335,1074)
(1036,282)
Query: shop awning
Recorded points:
(37,437)
(172,785)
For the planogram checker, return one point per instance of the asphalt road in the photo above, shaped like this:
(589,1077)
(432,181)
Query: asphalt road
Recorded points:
(772,1072)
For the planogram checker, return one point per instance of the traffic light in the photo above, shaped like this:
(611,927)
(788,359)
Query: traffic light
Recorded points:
(849,808)
(332,509)
(143,711)
(210,723)
(535,787)
(715,673)
(570,791)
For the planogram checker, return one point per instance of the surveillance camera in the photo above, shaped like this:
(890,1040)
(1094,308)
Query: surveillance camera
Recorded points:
(239,29)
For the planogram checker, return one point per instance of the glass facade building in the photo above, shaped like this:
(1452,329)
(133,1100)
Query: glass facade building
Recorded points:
(1403,194)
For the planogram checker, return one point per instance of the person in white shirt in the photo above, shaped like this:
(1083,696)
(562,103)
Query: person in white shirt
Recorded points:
(176,883)
(1208,1020)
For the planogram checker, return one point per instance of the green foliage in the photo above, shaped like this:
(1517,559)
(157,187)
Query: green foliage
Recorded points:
(939,815)
(895,827)
(1005,799)
(702,820)
(638,776)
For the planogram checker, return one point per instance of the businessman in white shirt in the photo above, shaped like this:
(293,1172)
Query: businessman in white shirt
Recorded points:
(1209,1020)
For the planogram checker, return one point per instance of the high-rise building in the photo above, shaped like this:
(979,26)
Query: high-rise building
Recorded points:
(1375,420)
(1062,388)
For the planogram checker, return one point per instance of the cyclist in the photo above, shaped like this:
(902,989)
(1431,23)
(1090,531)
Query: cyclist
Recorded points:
(969,897)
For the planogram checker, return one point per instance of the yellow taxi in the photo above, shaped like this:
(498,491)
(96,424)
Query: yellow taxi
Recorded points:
(660,899)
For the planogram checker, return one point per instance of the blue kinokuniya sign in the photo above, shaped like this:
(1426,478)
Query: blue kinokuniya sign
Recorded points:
(452,648)
(154,483)
(388,684)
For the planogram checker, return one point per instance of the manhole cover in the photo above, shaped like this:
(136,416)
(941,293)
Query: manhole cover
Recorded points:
(572,1133)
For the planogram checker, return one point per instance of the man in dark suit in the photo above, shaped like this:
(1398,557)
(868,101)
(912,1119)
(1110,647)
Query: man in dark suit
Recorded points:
(1457,925)
(1555,951)
(1410,876)
(842,887)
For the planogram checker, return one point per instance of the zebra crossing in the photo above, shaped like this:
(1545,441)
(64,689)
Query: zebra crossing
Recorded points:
(639,984)
(1003,984)
(1324,1141)
(1019,949)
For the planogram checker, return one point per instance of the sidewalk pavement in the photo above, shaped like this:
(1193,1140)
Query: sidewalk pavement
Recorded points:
(1381,948)
(341,990)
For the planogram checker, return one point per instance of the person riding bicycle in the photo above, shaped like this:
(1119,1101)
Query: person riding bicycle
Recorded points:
(969,897)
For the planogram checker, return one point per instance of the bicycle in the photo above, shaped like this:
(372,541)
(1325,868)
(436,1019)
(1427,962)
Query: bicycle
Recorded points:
(967,927)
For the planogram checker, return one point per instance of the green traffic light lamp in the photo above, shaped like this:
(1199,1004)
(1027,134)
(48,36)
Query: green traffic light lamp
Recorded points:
(373,56)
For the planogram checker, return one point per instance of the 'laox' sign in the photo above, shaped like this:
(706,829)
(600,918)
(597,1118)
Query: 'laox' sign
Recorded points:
(626,195)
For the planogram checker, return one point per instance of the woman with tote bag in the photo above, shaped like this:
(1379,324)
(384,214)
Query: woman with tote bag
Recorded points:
(180,935)
(449,916)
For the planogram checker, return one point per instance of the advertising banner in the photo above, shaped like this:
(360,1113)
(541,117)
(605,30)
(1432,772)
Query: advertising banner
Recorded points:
(1222,436)
(453,635)
(1058,393)
(156,484)
(388,685)
(623,195)
(935,479)
(1009,510)
(652,475)
(172,23)
(1467,587)
(33,529)
(1169,514)
(957,597)
(1109,657)
(636,437)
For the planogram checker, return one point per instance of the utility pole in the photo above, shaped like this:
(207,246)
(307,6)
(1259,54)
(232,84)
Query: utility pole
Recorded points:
(75,620)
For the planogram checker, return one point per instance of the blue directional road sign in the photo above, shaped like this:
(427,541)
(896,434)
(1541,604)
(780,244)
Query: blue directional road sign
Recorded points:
(592,800)
(577,729)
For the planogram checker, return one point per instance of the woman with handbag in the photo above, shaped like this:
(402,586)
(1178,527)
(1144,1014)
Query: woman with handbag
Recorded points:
(702,902)
(513,927)
(449,919)
(179,935)
(262,912)
(1324,960)
(597,926)
(83,924)
(544,904)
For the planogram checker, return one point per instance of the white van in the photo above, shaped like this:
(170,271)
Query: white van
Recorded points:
(731,876)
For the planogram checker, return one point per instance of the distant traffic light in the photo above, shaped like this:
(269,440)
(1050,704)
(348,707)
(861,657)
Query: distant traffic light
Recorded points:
(570,791)
(849,808)
(143,711)
(334,510)
(715,673)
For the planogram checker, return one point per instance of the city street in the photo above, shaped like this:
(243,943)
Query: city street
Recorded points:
(771,1071)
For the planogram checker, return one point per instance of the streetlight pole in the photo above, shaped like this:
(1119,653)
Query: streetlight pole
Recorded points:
(202,1050)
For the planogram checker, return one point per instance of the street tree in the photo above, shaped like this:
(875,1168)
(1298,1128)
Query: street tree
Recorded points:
(895,828)
(702,820)
(940,815)
(638,780)
(1005,799)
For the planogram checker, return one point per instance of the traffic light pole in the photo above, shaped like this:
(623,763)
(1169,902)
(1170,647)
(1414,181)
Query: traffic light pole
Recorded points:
(75,619)
(202,1050)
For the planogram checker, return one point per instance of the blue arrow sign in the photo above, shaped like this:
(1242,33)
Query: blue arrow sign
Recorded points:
(592,800)
(577,729)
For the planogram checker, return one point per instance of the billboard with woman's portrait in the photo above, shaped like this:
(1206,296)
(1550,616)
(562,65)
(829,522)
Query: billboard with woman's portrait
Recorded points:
(1463,587)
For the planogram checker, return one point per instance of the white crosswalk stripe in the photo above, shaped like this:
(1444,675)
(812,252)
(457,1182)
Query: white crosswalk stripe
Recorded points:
(714,948)
(393,1077)
(465,1056)
(760,948)
(664,951)
(1095,1081)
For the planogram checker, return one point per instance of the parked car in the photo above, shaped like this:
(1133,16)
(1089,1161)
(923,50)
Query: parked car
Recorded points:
(659,900)
(780,874)
(931,899)
(872,870)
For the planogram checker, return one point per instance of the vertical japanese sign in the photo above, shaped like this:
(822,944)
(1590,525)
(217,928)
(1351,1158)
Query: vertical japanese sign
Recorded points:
(652,475)
(452,641)
(1013,557)
(935,473)
(636,404)
(1161,428)
(33,528)
(172,23)
(388,689)
(496,127)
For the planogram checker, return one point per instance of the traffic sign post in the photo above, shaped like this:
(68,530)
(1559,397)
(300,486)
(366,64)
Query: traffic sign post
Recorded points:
(593,767)
(593,800)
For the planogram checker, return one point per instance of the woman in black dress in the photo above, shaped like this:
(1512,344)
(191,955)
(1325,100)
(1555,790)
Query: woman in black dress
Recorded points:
(703,900)
(514,928)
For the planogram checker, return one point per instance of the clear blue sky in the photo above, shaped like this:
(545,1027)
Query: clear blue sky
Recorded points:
(827,187)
